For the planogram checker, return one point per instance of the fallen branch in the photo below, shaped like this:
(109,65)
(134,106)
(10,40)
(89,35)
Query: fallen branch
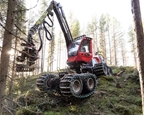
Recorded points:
(118,74)
(8,109)
(22,106)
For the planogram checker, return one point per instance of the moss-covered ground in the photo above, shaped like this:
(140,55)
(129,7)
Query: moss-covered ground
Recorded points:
(115,95)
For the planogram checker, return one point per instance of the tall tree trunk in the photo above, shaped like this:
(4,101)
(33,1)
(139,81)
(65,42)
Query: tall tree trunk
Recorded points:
(5,48)
(123,53)
(96,39)
(13,69)
(60,48)
(140,43)
(58,54)
(42,53)
(104,42)
(134,53)
(132,41)
(135,58)
(115,51)
(109,42)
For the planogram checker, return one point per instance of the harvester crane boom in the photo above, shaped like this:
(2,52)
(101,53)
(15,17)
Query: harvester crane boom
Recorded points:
(30,52)
(61,19)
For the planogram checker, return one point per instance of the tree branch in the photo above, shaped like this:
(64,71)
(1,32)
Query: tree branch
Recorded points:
(13,34)
(20,29)
(27,9)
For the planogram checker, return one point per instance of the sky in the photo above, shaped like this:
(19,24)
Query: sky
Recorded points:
(84,10)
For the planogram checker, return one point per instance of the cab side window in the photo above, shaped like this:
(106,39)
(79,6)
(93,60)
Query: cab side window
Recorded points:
(85,46)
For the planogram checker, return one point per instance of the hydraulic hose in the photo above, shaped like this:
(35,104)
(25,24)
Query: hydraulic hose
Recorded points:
(41,42)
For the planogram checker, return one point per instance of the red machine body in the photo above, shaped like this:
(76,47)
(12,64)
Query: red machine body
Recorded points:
(80,52)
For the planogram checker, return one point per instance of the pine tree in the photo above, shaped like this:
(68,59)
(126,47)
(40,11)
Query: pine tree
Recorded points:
(122,51)
(74,25)
(3,10)
(109,39)
(140,43)
(43,50)
(51,51)
(75,30)
(117,34)
(102,41)
(132,41)
(5,48)
(19,30)
(92,32)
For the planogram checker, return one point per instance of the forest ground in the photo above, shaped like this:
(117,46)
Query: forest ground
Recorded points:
(115,95)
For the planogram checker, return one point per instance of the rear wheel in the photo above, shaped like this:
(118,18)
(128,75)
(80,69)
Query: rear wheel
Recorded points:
(89,84)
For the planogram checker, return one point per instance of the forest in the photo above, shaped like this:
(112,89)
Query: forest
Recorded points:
(120,93)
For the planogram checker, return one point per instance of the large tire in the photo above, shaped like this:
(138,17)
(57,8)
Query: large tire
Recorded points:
(100,69)
(76,86)
(73,85)
(89,84)
(105,69)
(43,82)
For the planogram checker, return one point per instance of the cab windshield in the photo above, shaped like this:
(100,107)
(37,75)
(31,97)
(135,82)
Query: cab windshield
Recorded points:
(73,48)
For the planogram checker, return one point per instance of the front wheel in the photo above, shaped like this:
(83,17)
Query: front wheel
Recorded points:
(48,82)
(76,86)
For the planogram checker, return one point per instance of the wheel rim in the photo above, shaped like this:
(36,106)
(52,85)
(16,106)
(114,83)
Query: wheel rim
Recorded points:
(77,86)
(90,83)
